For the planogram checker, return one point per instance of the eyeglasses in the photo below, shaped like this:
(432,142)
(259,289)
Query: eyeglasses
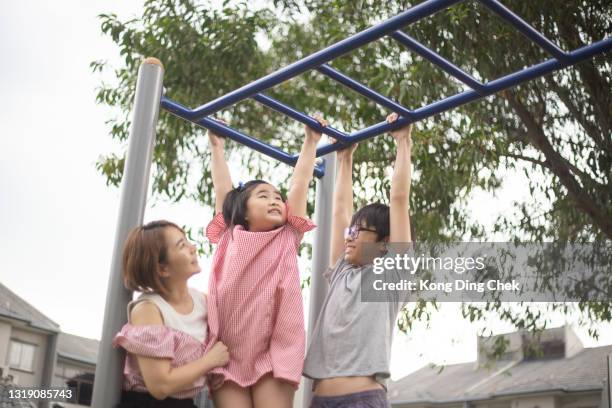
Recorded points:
(353,232)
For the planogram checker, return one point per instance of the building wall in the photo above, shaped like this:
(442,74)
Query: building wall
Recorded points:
(65,370)
(513,351)
(573,345)
(5,340)
(548,401)
(505,403)
(572,400)
(586,400)
(30,378)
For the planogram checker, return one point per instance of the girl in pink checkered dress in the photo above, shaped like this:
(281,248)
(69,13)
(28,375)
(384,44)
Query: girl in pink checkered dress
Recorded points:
(255,302)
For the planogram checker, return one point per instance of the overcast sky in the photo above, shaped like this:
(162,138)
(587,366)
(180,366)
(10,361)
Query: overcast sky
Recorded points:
(58,216)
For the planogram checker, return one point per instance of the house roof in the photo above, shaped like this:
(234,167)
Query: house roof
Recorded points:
(14,307)
(69,346)
(78,348)
(463,382)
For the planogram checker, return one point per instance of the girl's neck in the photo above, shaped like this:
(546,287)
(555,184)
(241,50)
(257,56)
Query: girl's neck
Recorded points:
(263,229)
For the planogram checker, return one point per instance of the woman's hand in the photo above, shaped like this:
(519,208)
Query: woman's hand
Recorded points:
(404,133)
(313,134)
(218,355)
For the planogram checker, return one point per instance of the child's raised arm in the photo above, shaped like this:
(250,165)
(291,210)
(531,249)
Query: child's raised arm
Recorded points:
(343,202)
(400,184)
(298,192)
(222,180)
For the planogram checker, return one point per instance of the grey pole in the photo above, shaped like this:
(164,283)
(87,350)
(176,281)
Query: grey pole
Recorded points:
(50,364)
(320,252)
(108,379)
(609,393)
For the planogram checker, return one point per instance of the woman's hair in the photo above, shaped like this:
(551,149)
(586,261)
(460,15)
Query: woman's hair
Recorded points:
(235,204)
(377,216)
(144,250)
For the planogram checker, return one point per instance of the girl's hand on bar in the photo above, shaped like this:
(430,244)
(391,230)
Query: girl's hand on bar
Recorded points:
(313,134)
(215,139)
(402,134)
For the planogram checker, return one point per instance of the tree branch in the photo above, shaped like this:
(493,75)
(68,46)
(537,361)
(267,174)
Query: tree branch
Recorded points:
(529,159)
(598,87)
(589,128)
(561,168)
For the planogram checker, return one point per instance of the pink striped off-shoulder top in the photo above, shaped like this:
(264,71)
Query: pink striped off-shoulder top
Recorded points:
(165,341)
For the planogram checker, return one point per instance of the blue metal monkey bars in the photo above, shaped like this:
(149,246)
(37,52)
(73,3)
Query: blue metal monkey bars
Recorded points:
(107,387)
(560,59)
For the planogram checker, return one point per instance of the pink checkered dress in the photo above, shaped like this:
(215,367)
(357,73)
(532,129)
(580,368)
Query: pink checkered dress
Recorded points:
(157,342)
(255,302)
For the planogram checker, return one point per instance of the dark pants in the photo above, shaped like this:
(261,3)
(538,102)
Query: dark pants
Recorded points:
(133,399)
(364,399)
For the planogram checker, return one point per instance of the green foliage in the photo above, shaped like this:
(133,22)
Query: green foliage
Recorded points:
(206,53)
(556,129)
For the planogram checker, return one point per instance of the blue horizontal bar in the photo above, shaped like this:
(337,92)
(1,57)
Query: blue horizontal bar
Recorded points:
(224,130)
(525,29)
(436,59)
(464,97)
(299,116)
(314,60)
(580,54)
(364,90)
(451,102)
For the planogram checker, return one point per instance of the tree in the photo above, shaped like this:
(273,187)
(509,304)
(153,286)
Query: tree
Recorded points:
(556,129)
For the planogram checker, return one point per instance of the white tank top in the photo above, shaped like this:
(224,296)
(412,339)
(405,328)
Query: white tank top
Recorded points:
(193,323)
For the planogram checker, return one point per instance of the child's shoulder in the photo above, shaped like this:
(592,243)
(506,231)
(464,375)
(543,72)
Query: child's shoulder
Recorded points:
(300,224)
(216,228)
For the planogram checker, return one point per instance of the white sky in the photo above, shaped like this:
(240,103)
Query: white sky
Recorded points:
(58,216)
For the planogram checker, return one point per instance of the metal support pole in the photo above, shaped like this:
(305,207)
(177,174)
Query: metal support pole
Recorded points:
(109,373)
(609,381)
(320,253)
(50,364)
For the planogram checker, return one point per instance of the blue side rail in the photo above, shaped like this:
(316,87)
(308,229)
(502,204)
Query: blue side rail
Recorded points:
(319,61)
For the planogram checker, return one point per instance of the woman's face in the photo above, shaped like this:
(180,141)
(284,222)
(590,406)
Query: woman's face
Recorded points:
(181,257)
(265,208)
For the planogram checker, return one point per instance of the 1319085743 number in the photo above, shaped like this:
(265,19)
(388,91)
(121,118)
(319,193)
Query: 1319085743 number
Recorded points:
(35,394)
